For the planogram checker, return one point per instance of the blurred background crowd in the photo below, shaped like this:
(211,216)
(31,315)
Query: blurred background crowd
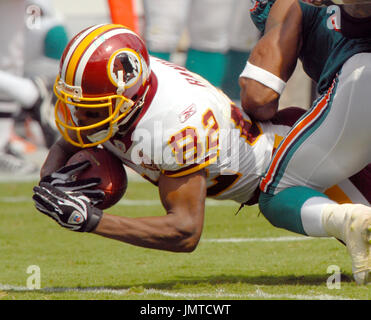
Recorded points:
(210,37)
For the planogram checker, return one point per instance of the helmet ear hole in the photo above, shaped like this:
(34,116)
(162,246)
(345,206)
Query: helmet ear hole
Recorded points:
(135,97)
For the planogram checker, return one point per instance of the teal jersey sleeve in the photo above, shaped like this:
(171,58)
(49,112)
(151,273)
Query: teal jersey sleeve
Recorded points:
(325,49)
(259,12)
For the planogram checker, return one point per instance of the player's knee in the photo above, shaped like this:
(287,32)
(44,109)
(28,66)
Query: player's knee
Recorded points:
(283,210)
(267,212)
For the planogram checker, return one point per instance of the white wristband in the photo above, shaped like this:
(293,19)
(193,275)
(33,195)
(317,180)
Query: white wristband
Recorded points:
(263,76)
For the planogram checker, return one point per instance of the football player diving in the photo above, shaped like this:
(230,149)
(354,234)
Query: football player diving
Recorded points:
(169,125)
(332,139)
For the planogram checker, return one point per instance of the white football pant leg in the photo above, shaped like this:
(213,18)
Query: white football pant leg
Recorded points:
(165,23)
(209,24)
(340,146)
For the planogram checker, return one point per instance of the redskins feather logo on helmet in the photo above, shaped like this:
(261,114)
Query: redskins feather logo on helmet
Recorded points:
(104,66)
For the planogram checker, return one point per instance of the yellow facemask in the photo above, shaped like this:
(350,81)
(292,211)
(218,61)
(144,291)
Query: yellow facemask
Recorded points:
(70,98)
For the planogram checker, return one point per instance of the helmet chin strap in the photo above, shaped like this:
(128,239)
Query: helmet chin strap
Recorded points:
(120,82)
(102,134)
(137,106)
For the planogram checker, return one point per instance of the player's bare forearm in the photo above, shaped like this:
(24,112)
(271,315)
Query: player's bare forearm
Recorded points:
(161,233)
(258,101)
(57,157)
(276,52)
(178,231)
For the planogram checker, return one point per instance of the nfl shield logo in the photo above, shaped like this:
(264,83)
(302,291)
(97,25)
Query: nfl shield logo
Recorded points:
(77,217)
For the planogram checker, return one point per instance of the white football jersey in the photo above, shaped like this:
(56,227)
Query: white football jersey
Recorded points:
(191,125)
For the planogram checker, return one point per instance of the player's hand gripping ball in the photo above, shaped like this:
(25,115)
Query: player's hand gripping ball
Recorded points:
(108,168)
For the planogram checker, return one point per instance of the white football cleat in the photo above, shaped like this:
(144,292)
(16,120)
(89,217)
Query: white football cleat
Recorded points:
(351,223)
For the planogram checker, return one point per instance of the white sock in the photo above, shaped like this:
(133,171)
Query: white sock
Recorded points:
(20,89)
(311,216)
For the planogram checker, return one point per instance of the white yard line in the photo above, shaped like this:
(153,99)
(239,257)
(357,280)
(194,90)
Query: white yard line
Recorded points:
(258,294)
(268,239)
(15,199)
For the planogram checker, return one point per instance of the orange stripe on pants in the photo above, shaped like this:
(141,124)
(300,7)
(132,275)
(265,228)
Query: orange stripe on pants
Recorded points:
(281,151)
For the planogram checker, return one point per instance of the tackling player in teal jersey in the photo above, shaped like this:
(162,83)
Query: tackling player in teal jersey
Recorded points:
(331,141)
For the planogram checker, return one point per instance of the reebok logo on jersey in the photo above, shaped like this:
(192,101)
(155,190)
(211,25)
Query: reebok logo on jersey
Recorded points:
(187,113)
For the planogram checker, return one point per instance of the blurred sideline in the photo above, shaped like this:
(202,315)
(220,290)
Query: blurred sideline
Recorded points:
(83,13)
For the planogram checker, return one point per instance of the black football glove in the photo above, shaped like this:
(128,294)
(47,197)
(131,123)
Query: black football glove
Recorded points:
(65,179)
(72,210)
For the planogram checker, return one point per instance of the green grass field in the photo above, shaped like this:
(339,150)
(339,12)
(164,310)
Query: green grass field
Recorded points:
(240,257)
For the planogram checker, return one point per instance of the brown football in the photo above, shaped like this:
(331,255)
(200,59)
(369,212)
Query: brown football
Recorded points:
(108,168)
